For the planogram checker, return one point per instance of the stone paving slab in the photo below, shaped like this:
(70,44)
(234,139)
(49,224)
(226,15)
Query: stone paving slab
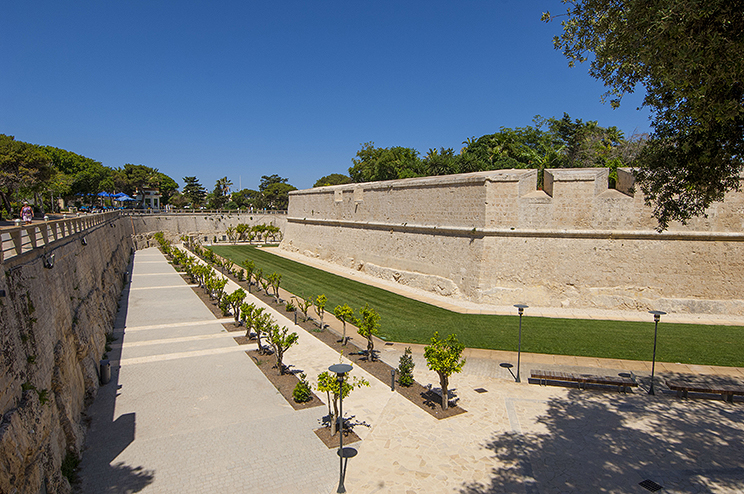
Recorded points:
(187,410)
(208,424)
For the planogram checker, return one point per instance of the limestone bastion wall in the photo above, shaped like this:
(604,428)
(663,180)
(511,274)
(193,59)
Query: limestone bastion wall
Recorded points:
(204,226)
(492,237)
(53,326)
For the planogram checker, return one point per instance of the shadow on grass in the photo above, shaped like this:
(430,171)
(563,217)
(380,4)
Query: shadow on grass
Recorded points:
(592,442)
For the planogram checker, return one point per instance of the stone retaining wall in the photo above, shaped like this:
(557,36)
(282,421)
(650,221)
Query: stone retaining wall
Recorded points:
(492,237)
(53,326)
(203,226)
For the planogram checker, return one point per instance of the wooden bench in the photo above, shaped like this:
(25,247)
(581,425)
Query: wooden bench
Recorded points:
(623,383)
(727,391)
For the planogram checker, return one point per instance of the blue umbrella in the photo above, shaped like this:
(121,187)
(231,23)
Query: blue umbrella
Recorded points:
(104,194)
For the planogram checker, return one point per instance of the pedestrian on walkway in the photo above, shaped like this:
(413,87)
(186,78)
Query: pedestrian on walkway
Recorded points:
(27,213)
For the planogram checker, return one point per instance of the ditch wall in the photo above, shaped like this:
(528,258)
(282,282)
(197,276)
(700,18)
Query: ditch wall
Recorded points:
(492,237)
(55,313)
(205,227)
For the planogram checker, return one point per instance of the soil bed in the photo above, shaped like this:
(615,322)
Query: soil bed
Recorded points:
(423,397)
(284,383)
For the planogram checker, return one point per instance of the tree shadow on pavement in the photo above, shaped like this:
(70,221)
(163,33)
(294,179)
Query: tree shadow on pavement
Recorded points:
(596,442)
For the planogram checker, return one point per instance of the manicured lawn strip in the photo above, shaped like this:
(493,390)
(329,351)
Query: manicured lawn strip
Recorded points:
(410,321)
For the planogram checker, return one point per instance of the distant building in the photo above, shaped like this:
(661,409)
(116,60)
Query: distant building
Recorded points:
(149,198)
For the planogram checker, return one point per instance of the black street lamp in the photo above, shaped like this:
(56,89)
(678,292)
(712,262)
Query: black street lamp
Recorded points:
(340,370)
(521,308)
(657,315)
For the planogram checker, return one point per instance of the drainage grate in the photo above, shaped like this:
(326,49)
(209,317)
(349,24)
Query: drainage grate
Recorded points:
(650,485)
(388,344)
(481,390)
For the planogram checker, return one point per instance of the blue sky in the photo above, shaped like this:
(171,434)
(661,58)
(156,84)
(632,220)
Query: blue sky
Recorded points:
(243,89)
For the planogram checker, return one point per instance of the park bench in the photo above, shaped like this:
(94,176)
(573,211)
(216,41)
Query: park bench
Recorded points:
(727,391)
(623,383)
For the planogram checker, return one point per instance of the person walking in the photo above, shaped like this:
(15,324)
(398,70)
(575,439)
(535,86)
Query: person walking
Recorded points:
(27,213)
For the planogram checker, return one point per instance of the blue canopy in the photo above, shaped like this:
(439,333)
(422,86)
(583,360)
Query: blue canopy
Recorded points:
(105,194)
(121,196)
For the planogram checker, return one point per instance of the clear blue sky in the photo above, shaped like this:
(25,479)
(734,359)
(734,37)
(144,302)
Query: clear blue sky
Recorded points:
(243,88)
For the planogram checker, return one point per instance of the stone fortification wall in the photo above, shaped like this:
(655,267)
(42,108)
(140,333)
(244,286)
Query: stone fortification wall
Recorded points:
(53,325)
(206,225)
(492,237)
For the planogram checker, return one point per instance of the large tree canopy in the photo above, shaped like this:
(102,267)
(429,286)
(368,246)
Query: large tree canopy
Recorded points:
(688,55)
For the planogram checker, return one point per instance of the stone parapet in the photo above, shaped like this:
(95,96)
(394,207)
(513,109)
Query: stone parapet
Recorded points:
(492,237)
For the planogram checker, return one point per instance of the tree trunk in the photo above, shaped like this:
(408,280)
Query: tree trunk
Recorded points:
(334,418)
(444,381)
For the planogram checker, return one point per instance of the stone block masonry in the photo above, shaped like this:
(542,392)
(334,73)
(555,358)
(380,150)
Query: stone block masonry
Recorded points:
(203,226)
(53,326)
(492,237)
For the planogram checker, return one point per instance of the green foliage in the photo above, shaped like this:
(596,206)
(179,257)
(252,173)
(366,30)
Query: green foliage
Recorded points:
(344,313)
(372,164)
(304,305)
(443,357)
(332,179)
(687,56)
(275,280)
(280,340)
(193,191)
(302,392)
(329,384)
(369,325)
(69,467)
(289,307)
(319,304)
(234,302)
(405,368)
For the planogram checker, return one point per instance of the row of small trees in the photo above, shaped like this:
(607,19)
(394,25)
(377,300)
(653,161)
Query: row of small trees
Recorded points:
(443,355)
(243,232)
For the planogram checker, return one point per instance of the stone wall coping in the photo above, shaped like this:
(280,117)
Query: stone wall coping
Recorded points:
(507,175)
(529,232)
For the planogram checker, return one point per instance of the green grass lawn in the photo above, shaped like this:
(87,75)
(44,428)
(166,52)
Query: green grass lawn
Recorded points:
(410,321)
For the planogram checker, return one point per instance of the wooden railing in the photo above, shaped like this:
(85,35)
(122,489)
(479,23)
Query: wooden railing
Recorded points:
(17,240)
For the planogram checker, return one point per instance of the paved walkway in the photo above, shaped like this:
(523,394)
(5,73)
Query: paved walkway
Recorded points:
(188,411)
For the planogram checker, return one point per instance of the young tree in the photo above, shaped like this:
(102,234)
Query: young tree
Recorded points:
(235,300)
(405,368)
(344,313)
(258,276)
(275,280)
(281,340)
(319,305)
(261,324)
(248,314)
(443,357)
(250,267)
(369,325)
(218,286)
(329,383)
(304,305)
(687,55)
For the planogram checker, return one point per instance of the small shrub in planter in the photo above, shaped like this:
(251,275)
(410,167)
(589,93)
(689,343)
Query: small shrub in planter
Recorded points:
(289,307)
(302,392)
(405,368)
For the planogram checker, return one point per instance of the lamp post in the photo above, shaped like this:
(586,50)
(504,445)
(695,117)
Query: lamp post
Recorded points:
(521,308)
(340,370)
(657,315)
